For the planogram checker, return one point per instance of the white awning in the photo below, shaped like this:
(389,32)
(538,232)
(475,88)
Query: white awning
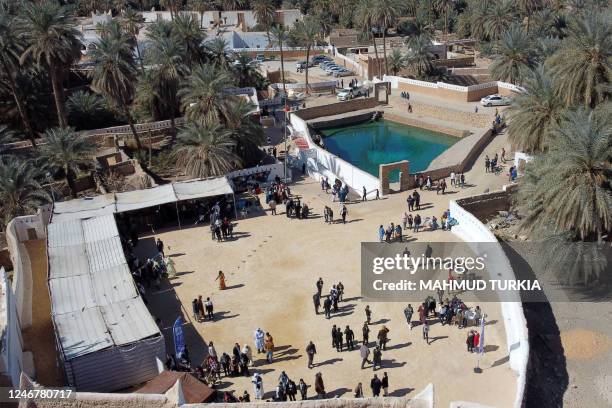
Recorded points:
(139,199)
(192,189)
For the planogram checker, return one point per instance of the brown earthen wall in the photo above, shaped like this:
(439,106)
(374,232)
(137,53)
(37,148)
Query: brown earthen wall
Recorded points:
(336,108)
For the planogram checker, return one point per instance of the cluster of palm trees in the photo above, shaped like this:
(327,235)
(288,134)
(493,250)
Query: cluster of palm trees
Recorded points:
(564,118)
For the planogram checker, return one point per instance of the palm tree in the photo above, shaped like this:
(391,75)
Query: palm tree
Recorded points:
(265,12)
(498,18)
(172,5)
(186,30)
(527,7)
(445,7)
(247,134)
(233,4)
(217,53)
(307,33)
(114,75)
(279,33)
(202,94)
(67,152)
(205,150)
(514,56)
(386,14)
(534,113)
(20,191)
(84,108)
(478,17)
(419,59)
(397,61)
(201,6)
(165,54)
(582,63)
(366,20)
(132,23)
(6,136)
(245,73)
(10,51)
(566,190)
(52,41)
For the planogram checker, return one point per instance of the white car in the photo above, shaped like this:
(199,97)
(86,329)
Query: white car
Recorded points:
(495,100)
(345,94)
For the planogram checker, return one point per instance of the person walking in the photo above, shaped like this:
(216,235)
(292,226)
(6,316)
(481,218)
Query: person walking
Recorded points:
(311,350)
(208,305)
(383,338)
(364,196)
(375,385)
(417,223)
(320,286)
(408,312)
(319,385)
(257,385)
(316,300)
(364,352)
(160,247)
(221,278)
(426,332)
(417,200)
(487,164)
(381,233)
(303,388)
(385,384)
(344,213)
(368,314)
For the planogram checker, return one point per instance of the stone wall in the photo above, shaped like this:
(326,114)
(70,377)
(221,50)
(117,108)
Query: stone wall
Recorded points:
(483,206)
(336,108)
(411,121)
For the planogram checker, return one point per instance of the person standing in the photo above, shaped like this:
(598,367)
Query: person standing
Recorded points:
(303,389)
(385,384)
(350,337)
(376,358)
(364,195)
(160,247)
(319,386)
(269,347)
(339,340)
(344,213)
(272,205)
(311,350)
(257,385)
(212,352)
(208,305)
(320,286)
(375,385)
(408,312)
(368,314)
(383,338)
(381,233)
(316,299)
(359,391)
(470,341)
(364,352)
(366,333)
(196,310)
(327,305)
(452,178)
(221,278)
(259,340)
(426,332)
(334,337)
(462,180)
(417,200)
(443,186)
(487,163)
(476,340)
(417,223)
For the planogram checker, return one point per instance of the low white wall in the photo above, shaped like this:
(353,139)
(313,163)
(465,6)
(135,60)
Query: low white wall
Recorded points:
(321,163)
(396,80)
(471,230)
(11,343)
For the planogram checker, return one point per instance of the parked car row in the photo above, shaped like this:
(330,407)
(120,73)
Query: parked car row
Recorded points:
(331,68)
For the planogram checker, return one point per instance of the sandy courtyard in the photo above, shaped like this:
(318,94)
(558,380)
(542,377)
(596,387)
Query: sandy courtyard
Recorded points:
(271,269)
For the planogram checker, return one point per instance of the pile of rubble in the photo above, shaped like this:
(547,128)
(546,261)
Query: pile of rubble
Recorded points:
(505,225)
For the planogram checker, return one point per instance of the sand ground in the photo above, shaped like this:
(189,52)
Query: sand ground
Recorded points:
(271,269)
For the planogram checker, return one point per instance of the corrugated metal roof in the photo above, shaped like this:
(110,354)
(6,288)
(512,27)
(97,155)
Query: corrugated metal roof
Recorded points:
(67,261)
(129,319)
(104,254)
(64,234)
(138,199)
(82,332)
(70,216)
(113,285)
(71,294)
(84,204)
(99,228)
(192,189)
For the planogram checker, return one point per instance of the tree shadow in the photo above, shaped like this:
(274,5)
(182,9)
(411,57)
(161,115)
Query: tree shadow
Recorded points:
(329,361)
(399,346)
(401,392)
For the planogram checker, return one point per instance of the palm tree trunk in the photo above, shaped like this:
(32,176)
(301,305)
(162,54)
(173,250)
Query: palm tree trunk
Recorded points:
(128,115)
(307,59)
(376,55)
(23,112)
(385,51)
(201,19)
(138,52)
(70,180)
(58,94)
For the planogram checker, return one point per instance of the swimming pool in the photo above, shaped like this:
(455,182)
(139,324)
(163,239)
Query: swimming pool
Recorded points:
(370,144)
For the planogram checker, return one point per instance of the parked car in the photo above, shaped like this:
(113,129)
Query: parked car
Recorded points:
(302,64)
(343,73)
(495,100)
(345,94)
(317,59)
(260,58)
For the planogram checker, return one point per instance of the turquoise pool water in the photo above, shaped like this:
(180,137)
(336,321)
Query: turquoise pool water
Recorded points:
(369,144)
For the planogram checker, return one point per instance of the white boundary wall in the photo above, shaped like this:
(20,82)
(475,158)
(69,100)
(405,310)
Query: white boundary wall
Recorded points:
(396,80)
(321,163)
(471,230)
(11,343)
